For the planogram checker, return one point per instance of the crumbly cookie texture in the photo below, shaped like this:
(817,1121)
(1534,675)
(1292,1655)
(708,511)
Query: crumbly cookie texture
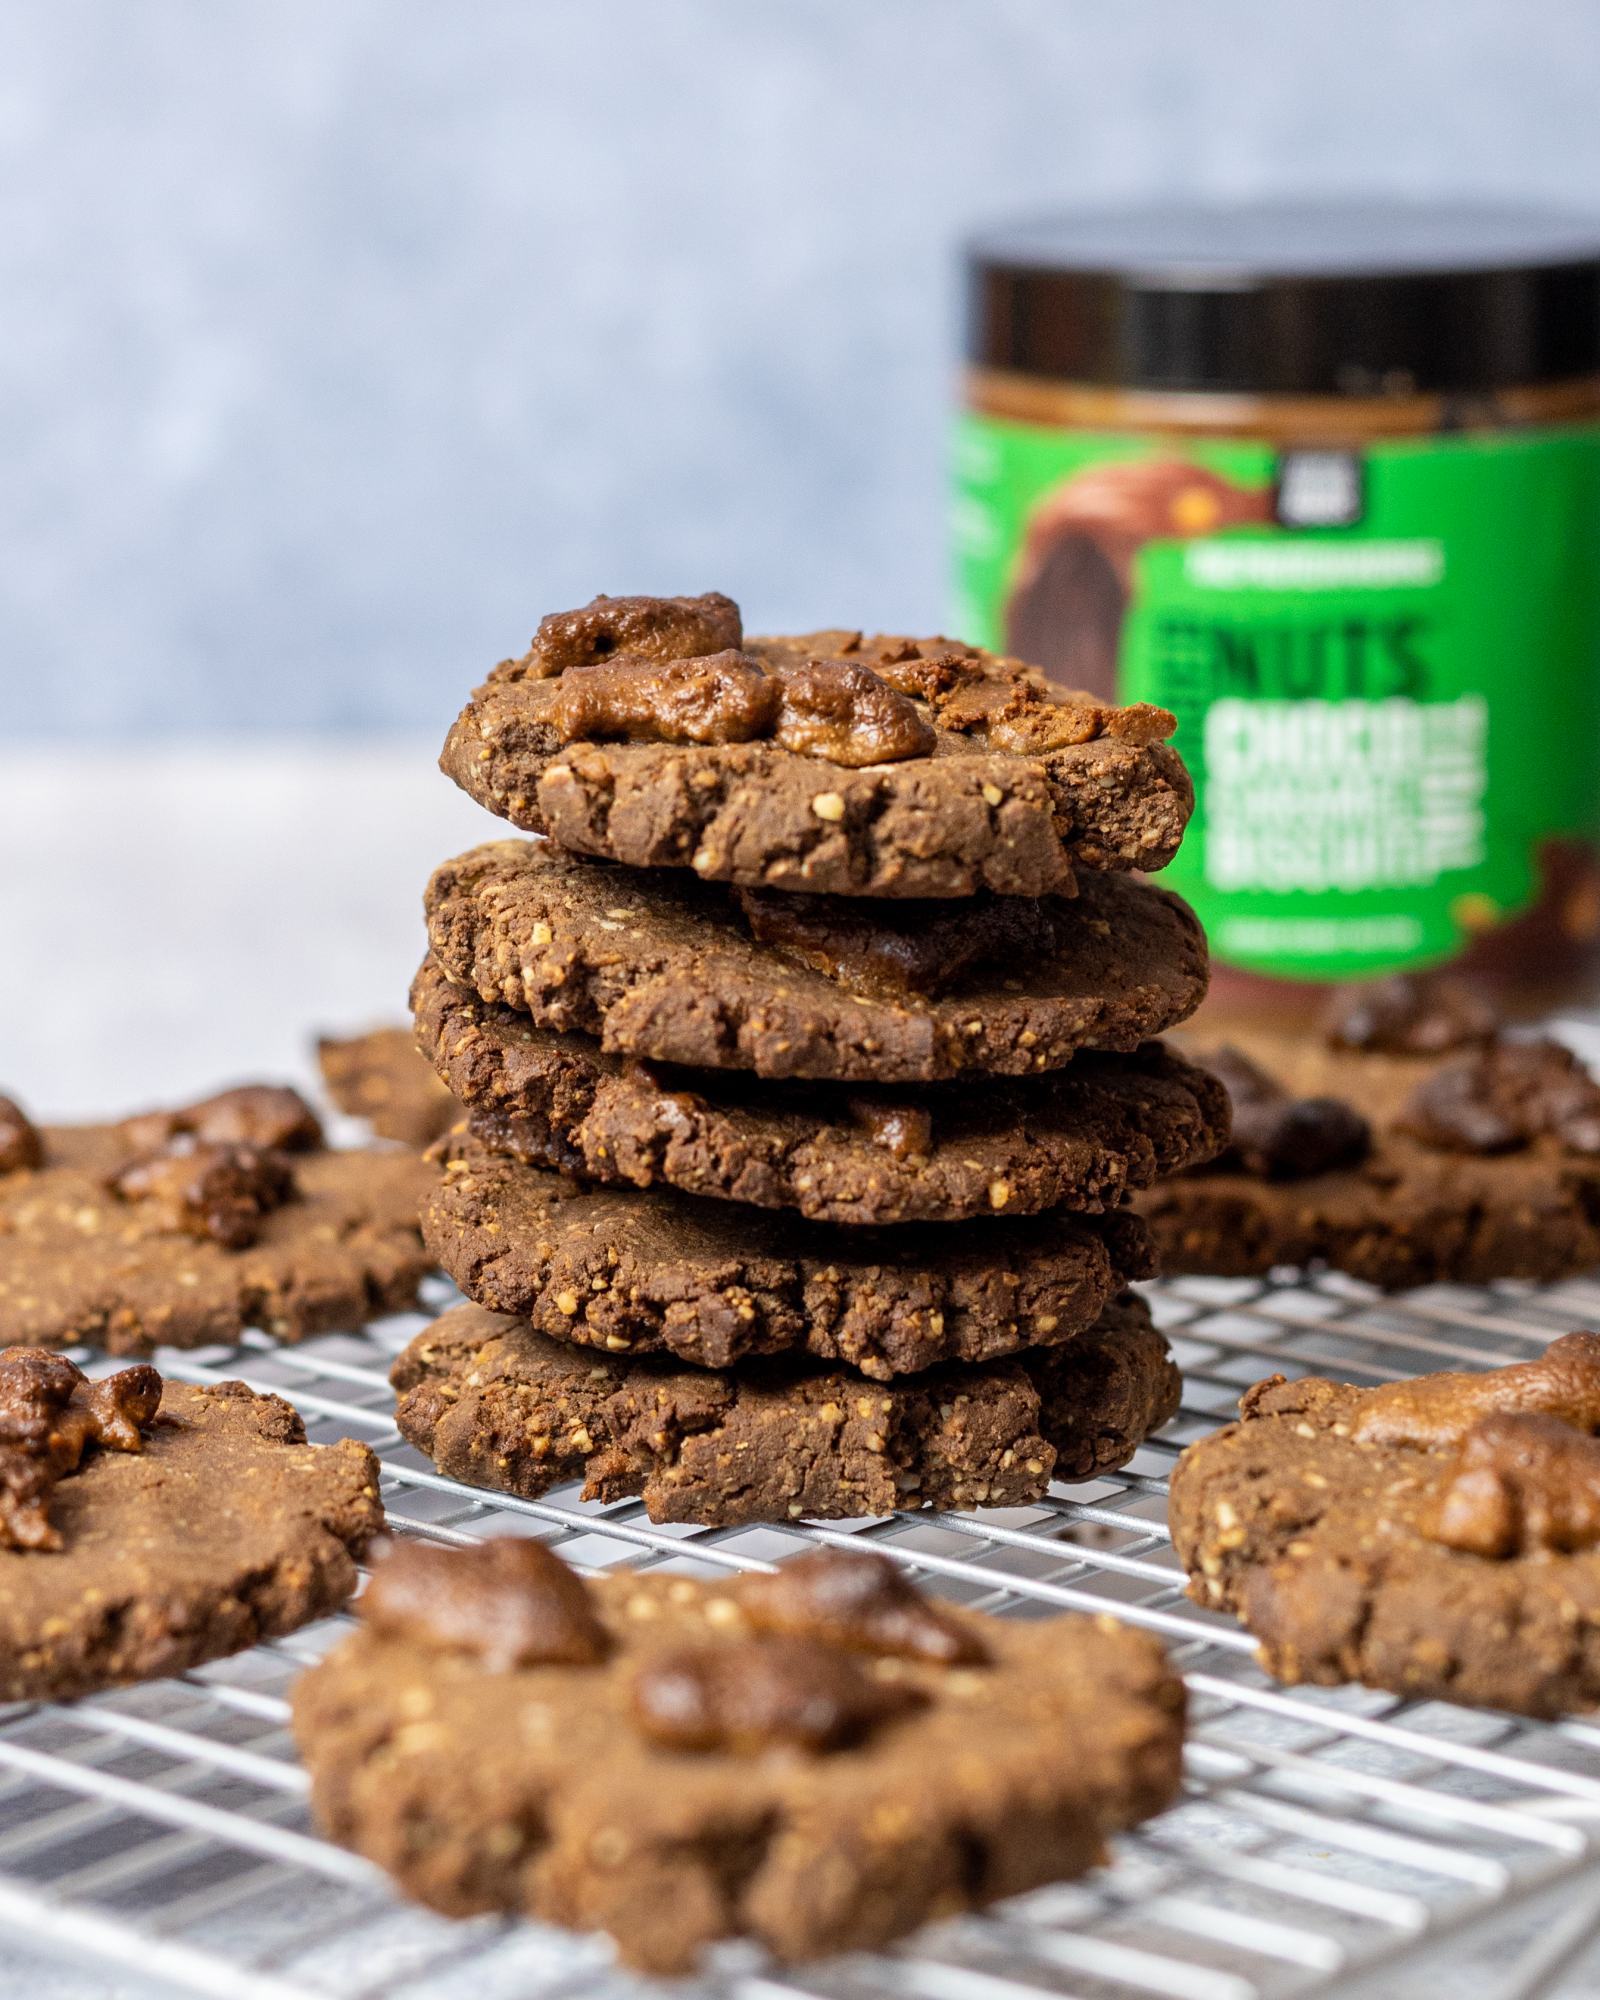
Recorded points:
(640,1271)
(660,966)
(495,1404)
(181,1227)
(1079,1137)
(1412,1144)
(649,731)
(819,1760)
(499,1405)
(200,1525)
(379,1076)
(1435,1537)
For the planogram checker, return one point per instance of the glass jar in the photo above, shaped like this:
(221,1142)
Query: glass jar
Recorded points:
(1325,482)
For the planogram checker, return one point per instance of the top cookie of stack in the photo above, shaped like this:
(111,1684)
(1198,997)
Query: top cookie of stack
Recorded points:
(649,730)
(851,923)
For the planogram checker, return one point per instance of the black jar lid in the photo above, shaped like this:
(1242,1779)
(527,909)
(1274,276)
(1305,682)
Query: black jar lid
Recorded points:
(1313,299)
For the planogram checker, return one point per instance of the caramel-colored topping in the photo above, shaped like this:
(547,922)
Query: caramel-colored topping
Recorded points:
(1504,1098)
(1432,1410)
(900,948)
(20,1143)
(1408,1014)
(840,711)
(1279,1137)
(508,1601)
(750,1695)
(905,1130)
(859,1600)
(1521,1484)
(50,1414)
(724,698)
(220,1193)
(653,628)
(255,1114)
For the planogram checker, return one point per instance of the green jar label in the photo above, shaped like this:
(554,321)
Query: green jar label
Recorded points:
(1385,663)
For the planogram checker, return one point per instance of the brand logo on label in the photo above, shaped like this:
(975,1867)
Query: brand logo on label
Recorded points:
(1319,489)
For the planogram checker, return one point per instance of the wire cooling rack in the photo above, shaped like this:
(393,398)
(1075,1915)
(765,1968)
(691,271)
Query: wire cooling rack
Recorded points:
(1329,1842)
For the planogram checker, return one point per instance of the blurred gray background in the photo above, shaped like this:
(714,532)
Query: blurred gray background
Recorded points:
(342,338)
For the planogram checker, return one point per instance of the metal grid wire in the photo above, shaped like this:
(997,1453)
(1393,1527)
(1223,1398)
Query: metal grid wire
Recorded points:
(1329,1841)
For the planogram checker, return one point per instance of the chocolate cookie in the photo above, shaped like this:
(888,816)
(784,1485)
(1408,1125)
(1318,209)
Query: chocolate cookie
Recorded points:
(1409,1145)
(644,1272)
(183,1227)
(1079,1137)
(647,730)
(380,1077)
(1437,1537)
(818,1760)
(495,1404)
(145,1527)
(674,970)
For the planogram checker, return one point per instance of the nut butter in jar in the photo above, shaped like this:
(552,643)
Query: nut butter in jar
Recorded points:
(1324,481)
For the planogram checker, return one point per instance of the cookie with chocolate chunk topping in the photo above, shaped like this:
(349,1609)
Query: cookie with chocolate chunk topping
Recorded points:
(673,970)
(1414,1145)
(184,1226)
(700,1778)
(180,1524)
(651,731)
(1436,1537)
(1079,1137)
(495,1404)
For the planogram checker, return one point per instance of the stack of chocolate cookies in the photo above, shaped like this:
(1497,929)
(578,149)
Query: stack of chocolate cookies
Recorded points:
(808,1064)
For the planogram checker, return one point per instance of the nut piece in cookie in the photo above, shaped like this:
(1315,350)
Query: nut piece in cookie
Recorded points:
(865,1602)
(508,1602)
(707,1778)
(20,1144)
(1278,1136)
(254,1114)
(1409,1014)
(1435,1537)
(50,1415)
(761,1694)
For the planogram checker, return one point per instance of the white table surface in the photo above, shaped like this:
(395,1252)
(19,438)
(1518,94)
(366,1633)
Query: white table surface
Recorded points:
(173,920)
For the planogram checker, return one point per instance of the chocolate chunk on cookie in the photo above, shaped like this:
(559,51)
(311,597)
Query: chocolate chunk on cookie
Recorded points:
(702,1778)
(149,1526)
(380,1077)
(180,1227)
(1414,1146)
(1079,1137)
(828,762)
(1437,1537)
(666,968)
(495,1404)
(636,1271)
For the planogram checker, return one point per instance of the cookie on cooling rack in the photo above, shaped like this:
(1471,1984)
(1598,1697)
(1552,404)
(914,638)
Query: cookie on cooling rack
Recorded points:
(1413,1144)
(497,1405)
(1434,1537)
(181,1227)
(1078,1137)
(819,1759)
(146,1526)
(647,730)
(646,1270)
(379,1076)
(670,969)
